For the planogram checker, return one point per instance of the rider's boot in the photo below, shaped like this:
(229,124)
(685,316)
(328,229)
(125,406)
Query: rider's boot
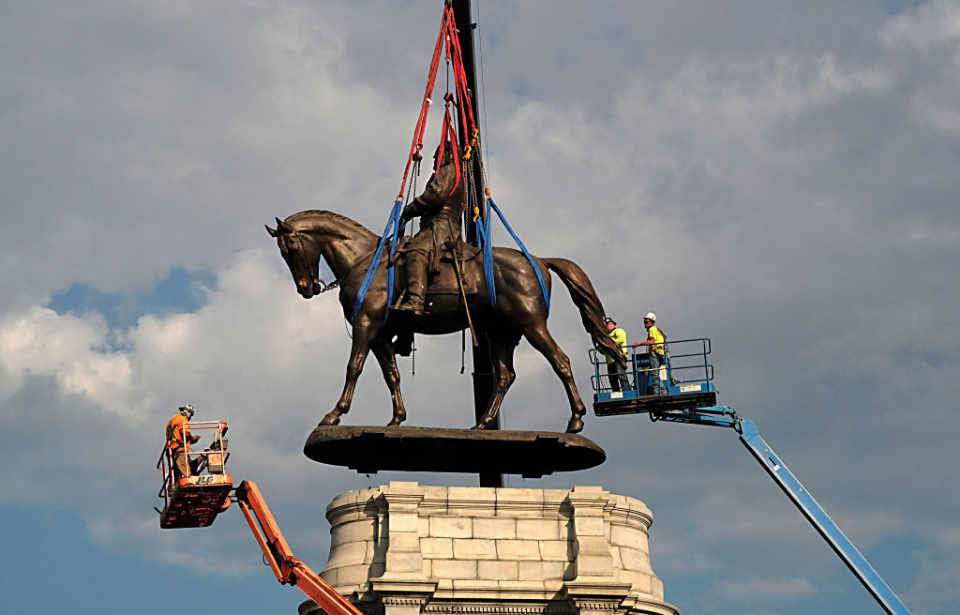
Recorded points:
(416,266)
(403,345)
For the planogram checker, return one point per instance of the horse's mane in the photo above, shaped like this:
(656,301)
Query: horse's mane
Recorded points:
(328,214)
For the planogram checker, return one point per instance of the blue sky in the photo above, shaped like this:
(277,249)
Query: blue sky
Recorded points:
(778,177)
(179,291)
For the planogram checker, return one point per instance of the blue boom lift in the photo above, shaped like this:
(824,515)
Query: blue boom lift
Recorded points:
(687,395)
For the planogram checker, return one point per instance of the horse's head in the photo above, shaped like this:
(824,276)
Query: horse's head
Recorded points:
(302,255)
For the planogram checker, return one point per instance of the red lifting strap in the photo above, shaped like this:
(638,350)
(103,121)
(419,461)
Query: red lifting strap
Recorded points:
(448,35)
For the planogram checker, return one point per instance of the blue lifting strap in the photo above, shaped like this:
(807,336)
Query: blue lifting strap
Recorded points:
(397,224)
(488,255)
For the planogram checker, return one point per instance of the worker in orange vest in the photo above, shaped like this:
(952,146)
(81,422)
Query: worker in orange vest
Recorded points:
(179,441)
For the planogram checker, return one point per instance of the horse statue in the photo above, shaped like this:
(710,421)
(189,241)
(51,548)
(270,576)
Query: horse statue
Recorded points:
(521,310)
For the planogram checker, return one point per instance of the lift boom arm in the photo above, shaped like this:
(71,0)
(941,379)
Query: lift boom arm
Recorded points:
(721,416)
(288,569)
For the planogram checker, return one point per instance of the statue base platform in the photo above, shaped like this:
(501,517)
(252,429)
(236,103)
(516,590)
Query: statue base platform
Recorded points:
(531,454)
(407,549)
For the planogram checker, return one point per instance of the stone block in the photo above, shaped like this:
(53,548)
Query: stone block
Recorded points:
(330,576)
(499,570)
(538,529)
(347,514)
(635,559)
(434,494)
(477,587)
(403,522)
(525,586)
(555,498)
(588,525)
(519,502)
(656,587)
(352,576)
(403,562)
(617,562)
(456,569)
(626,536)
(347,554)
(594,565)
(403,542)
(471,501)
(639,581)
(471,494)
(590,492)
(437,548)
(353,499)
(402,486)
(354,531)
(518,550)
(474,548)
(541,571)
(451,527)
(494,527)
(555,550)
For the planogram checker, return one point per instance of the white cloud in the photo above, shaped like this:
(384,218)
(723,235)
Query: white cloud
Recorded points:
(71,350)
(923,27)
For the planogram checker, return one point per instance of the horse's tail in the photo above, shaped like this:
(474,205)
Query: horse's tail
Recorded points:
(587,301)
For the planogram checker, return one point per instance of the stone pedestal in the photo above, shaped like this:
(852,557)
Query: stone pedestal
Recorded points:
(407,549)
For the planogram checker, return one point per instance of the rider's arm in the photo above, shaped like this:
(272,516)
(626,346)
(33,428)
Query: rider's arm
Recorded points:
(439,188)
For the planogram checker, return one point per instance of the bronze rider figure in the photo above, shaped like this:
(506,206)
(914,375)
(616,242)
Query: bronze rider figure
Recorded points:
(440,209)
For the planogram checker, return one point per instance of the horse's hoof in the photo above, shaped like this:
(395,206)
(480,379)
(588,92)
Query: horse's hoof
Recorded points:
(480,425)
(575,425)
(395,422)
(330,419)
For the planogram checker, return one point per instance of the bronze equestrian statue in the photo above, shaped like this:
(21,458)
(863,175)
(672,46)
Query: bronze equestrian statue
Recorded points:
(521,311)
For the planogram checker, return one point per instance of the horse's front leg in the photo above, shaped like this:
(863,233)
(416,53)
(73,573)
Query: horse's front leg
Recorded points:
(358,356)
(383,351)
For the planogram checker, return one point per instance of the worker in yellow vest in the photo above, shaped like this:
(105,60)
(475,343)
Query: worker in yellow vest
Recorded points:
(655,350)
(618,378)
(179,440)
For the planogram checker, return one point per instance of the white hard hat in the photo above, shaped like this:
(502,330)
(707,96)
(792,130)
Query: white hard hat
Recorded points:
(186,410)
(651,316)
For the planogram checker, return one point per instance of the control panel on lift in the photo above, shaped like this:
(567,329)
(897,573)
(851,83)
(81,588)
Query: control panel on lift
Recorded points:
(683,379)
(196,497)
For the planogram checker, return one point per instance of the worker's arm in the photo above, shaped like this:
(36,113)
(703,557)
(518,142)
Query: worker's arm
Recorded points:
(185,429)
(653,339)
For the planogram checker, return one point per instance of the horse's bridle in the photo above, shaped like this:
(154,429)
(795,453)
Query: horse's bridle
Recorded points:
(300,238)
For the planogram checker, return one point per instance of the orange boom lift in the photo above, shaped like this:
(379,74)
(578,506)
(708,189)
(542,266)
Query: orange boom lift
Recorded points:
(197,499)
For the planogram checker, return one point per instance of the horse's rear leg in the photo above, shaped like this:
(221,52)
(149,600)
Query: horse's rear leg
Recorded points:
(383,351)
(541,339)
(358,356)
(501,355)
